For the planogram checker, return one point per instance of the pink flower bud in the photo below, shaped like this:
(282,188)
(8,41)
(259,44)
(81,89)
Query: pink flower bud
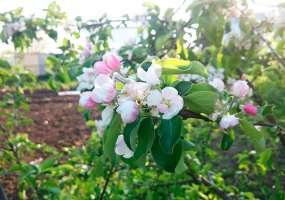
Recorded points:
(250,109)
(240,88)
(101,68)
(112,61)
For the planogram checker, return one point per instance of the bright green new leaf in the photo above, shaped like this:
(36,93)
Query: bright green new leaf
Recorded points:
(195,67)
(172,63)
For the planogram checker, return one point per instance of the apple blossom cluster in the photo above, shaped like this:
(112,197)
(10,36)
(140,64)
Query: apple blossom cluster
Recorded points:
(238,88)
(104,86)
(10,28)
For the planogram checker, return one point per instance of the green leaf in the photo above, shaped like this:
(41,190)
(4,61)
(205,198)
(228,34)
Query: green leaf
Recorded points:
(256,137)
(172,63)
(111,135)
(162,41)
(139,54)
(4,64)
(195,67)
(48,163)
(187,145)
(98,169)
(169,132)
(228,139)
(201,101)
(181,166)
(130,133)
(167,161)
(87,115)
(198,87)
(183,87)
(52,34)
(145,138)
(265,158)
(146,65)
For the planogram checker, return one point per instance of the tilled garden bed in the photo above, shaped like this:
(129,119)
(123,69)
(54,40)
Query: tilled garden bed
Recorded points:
(56,122)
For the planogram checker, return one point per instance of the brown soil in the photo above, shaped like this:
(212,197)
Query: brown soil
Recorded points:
(56,122)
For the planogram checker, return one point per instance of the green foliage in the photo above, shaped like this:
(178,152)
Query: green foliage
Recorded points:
(256,137)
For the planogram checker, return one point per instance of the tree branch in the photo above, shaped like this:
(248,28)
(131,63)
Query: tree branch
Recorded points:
(275,54)
(185,114)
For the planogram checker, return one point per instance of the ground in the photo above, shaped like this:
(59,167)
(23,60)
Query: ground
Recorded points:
(56,122)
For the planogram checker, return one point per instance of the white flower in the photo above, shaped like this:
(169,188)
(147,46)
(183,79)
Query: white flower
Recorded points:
(106,117)
(151,76)
(168,102)
(104,89)
(240,88)
(86,79)
(154,98)
(122,149)
(218,84)
(136,91)
(228,121)
(128,110)
(11,28)
(86,101)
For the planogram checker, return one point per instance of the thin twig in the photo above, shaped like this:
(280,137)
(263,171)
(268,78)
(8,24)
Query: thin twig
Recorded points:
(106,183)
(179,7)
(275,54)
